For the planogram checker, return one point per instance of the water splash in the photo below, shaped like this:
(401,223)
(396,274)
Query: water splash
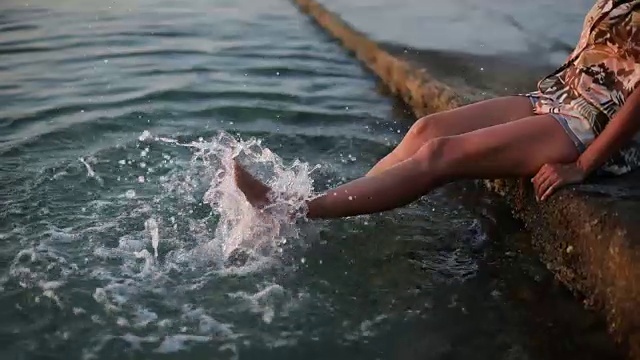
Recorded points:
(242,231)
(151,248)
(152,227)
(90,172)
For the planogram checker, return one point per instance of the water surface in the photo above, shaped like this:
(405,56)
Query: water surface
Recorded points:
(112,245)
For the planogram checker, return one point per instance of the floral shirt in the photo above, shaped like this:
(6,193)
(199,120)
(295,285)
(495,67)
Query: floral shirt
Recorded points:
(602,71)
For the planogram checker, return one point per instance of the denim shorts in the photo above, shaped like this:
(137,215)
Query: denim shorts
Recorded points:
(579,130)
(565,122)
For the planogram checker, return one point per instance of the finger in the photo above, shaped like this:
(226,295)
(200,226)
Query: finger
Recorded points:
(539,185)
(540,174)
(544,186)
(552,188)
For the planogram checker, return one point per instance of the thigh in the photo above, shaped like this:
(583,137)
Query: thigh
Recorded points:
(476,116)
(517,148)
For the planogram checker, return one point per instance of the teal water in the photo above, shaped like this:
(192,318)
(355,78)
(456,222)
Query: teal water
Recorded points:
(121,237)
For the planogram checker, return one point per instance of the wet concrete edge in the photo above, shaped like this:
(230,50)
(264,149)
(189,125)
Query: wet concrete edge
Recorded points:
(585,236)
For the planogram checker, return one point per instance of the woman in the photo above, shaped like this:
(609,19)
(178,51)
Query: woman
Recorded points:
(582,120)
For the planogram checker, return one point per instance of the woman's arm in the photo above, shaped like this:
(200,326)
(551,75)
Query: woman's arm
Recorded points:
(620,130)
(616,134)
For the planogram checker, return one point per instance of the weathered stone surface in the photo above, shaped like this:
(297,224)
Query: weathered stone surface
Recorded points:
(587,235)
(415,86)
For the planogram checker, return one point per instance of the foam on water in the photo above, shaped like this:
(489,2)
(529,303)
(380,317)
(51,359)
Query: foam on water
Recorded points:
(152,249)
(152,227)
(240,226)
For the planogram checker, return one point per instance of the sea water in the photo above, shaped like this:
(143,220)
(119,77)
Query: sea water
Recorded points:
(122,233)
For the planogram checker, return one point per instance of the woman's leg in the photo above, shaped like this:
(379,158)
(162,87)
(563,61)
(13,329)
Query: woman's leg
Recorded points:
(518,148)
(455,122)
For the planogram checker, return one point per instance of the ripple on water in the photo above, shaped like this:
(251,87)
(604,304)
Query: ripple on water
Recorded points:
(161,250)
(117,243)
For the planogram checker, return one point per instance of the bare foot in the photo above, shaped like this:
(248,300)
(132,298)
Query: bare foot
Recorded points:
(255,191)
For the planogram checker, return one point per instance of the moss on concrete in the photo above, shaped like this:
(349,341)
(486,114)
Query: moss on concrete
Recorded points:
(586,234)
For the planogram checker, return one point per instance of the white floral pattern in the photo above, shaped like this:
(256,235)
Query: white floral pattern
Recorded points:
(601,72)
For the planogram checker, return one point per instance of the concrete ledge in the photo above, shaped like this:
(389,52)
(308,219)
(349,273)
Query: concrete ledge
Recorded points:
(587,235)
(415,86)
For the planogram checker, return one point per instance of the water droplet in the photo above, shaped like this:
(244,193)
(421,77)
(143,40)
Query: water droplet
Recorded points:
(144,136)
(152,227)
(106,61)
(303,260)
(122,162)
(141,179)
(350,197)
(130,194)
(222,194)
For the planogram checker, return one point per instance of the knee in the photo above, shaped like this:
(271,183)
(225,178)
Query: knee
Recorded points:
(437,154)
(427,127)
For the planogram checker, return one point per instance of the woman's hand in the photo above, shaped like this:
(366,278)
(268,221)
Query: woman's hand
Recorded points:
(550,177)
